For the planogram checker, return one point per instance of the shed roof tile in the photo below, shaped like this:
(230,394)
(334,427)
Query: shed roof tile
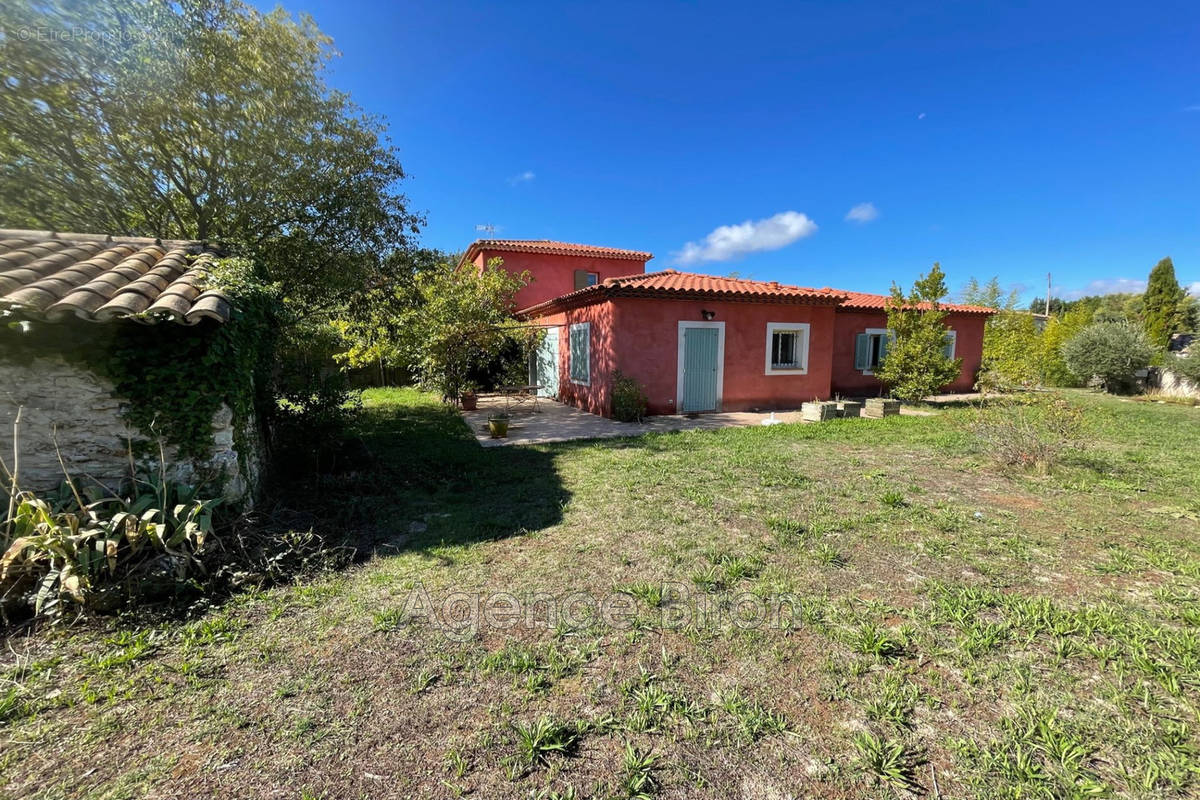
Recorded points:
(96,278)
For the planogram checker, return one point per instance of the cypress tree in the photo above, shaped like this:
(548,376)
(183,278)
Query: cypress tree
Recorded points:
(1162,303)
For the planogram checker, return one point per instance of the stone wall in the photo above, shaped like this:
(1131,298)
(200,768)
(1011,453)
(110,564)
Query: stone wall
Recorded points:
(1172,384)
(70,411)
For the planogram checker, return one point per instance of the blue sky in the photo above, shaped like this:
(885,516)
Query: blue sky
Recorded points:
(1000,138)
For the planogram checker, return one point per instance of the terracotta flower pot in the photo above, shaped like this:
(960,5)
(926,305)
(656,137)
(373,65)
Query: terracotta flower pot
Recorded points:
(469,401)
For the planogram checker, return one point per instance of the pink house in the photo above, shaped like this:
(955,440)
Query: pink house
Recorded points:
(697,342)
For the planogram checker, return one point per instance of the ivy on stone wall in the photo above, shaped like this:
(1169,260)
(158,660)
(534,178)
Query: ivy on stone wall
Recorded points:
(173,377)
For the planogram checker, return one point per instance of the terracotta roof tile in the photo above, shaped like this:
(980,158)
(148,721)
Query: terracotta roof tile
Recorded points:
(553,248)
(671,283)
(96,278)
(878,302)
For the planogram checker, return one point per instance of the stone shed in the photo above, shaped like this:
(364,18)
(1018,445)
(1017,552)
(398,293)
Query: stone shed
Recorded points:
(89,328)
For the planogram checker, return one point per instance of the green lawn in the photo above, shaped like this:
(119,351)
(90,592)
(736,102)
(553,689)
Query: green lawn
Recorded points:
(855,609)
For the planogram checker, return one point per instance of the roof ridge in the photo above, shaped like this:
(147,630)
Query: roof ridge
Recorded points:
(104,238)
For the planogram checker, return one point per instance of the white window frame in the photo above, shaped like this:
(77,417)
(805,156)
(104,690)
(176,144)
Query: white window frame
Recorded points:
(878,332)
(586,326)
(787,327)
(679,358)
(952,335)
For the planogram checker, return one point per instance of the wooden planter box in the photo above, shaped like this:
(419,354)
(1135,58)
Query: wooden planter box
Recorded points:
(878,408)
(818,412)
(849,408)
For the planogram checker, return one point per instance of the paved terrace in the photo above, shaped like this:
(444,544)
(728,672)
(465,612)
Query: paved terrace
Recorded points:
(556,422)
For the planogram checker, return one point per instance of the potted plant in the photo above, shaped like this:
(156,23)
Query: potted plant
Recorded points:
(469,398)
(498,426)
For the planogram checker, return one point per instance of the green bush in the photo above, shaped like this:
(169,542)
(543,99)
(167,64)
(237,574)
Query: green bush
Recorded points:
(76,552)
(1187,366)
(1011,344)
(1059,330)
(1109,351)
(628,399)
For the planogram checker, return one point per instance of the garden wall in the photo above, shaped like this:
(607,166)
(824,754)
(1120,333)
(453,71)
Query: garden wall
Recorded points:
(1169,383)
(72,411)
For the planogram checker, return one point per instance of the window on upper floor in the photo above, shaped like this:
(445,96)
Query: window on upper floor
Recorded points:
(584,279)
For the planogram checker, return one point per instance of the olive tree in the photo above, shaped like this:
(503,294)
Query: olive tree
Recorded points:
(1111,352)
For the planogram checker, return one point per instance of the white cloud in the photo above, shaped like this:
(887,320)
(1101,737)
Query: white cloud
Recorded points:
(1194,289)
(524,177)
(1102,286)
(921,115)
(862,213)
(733,241)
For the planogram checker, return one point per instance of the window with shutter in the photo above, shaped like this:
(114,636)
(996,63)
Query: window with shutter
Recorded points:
(580,353)
(870,349)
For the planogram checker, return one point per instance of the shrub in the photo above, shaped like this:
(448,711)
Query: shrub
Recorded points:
(1187,366)
(314,402)
(628,399)
(1109,351)
(1010,351)
(1059,330)
(1029,433)
(77,552)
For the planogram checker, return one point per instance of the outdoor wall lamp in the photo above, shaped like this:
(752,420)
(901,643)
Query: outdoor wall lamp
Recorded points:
(708,315)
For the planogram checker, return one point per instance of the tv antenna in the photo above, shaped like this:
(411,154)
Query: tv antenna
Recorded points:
(487,228)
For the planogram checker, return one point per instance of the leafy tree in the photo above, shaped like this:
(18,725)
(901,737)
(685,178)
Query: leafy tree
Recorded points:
(1109,351)
(989,294)
(203,119)
(1059,329)
(1163,300)
(1011,350)
(916,365)
(373,325)
(462,320)
(1057,305)
(1186,365)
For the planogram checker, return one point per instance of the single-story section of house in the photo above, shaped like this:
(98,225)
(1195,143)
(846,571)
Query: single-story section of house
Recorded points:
(701,343)
(68,302)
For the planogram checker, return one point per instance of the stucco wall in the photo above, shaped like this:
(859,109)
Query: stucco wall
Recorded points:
(554,275)
(596,396)
(847,380)
(647,349)
(72,411)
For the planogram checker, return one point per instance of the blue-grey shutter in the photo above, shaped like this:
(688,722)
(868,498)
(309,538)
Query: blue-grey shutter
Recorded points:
(884,342)
(862,351)
(579,353)
(948,347)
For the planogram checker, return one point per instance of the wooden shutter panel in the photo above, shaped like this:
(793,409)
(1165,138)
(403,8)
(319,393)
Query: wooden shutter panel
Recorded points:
(862,351)
(581,279)
(580,354)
